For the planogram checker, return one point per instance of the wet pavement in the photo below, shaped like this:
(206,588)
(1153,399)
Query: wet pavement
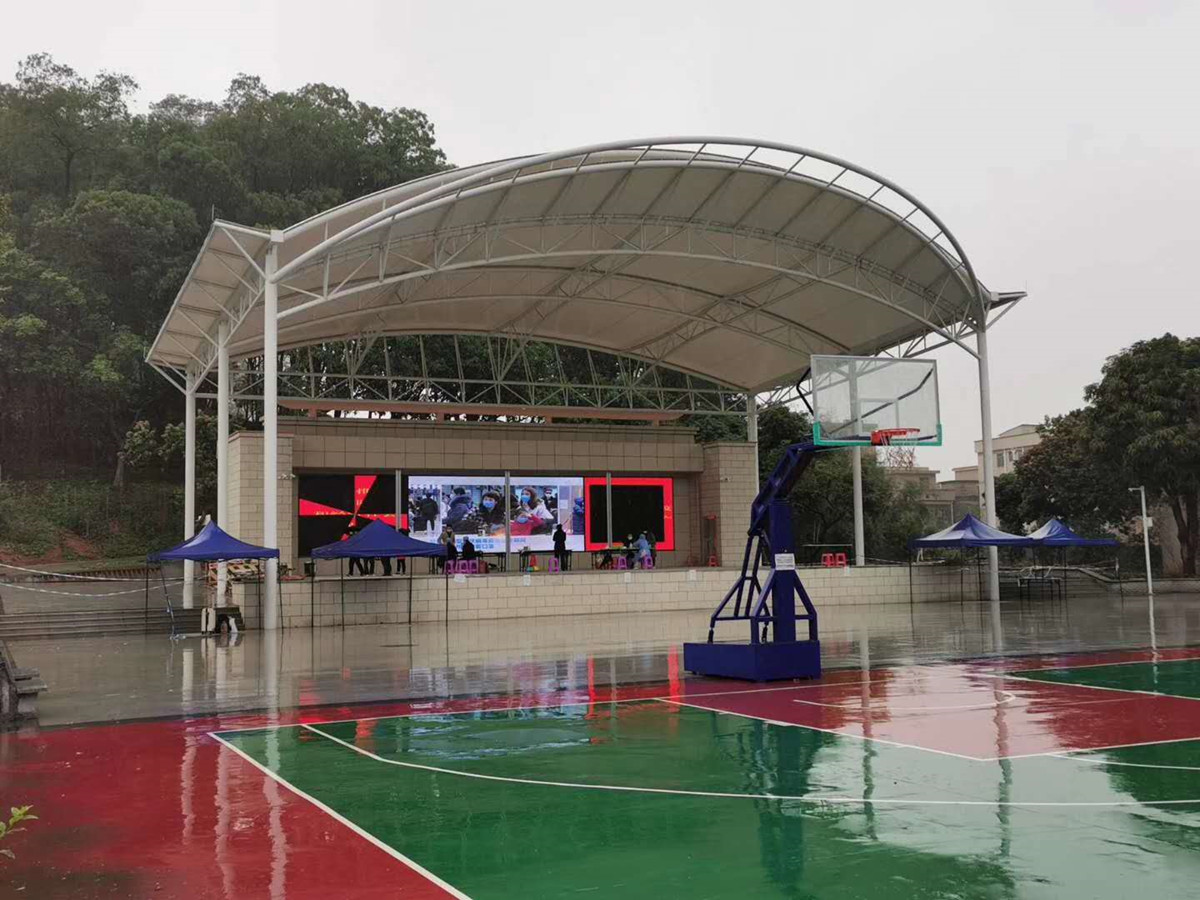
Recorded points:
(127,677)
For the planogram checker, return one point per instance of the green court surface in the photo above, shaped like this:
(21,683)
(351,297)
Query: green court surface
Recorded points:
(646,799)
(1179,678)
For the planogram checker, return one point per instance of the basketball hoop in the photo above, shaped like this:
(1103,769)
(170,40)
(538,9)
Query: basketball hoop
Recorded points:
(882,437)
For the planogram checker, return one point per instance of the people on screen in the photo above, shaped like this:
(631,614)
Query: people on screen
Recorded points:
(460,512)
(490,514)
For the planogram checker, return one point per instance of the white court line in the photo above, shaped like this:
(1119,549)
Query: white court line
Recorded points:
(1092,687)
(861,737)
(1123,662)
(895,709)
(390,851)
(724,795)
(1061,751)
(559,704)
(1111,762)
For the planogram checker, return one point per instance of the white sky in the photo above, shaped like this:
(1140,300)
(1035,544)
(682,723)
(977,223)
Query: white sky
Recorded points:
(1060,141)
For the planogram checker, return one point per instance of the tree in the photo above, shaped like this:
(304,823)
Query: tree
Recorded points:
(1066,476)
(56,115)
(1145,416)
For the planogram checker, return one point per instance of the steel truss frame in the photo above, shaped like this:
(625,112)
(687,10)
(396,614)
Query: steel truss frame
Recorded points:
(460,370)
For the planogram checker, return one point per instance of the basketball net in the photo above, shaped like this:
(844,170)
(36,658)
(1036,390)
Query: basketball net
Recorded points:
(895,456)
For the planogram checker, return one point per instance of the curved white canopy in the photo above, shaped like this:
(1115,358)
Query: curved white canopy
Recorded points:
(726,258)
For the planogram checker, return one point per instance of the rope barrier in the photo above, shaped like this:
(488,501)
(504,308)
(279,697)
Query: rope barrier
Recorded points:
(25,587)
(63,575)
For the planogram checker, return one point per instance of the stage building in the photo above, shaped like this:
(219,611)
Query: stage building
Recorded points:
(484,308)
(332,471)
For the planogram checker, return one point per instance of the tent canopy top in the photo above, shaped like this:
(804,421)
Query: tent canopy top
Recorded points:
(1056,534)
(378,540)
(212,544)
(970,532)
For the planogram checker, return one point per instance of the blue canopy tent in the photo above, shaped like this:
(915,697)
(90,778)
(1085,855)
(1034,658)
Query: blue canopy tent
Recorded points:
(1057,534)
(209,544)
(966,532)
(377,541)
(970,532)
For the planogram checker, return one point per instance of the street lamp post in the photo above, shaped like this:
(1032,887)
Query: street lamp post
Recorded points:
(1146,523)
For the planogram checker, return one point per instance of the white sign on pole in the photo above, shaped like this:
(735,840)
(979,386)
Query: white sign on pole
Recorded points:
(785,562)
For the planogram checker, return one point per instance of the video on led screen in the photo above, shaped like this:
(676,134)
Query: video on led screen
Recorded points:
(474,506)
(332,506)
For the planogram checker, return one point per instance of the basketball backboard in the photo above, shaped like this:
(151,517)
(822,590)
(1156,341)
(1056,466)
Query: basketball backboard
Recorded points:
(862,401)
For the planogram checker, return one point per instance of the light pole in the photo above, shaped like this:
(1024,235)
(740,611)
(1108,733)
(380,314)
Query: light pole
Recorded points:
(1146,523)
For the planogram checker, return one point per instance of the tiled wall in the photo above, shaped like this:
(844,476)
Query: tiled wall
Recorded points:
(385,601)
(728,485)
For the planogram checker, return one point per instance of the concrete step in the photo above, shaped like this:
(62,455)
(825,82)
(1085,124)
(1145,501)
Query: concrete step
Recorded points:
(96,622)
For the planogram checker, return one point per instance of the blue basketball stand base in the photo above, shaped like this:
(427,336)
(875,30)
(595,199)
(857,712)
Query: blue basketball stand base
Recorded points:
(764,596)
(769,661)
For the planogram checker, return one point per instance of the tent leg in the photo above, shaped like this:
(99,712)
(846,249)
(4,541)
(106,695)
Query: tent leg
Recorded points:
(409,566)
(342,581)
(312,597)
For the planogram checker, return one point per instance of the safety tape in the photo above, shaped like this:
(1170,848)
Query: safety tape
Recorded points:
(64,575)
(25,587)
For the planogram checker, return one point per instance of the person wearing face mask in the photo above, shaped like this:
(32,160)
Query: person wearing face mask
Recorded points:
(533,513)
(491,512)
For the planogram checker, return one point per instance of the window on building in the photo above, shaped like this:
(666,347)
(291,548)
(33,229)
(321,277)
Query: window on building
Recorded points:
(999,459)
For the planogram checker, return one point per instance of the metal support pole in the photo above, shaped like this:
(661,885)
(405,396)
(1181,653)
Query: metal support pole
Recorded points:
(1146,523)
(752,418)
(860,540)
(270,616)
(608,505)
(189,489)
(222,449)
(507,519)
(989,469)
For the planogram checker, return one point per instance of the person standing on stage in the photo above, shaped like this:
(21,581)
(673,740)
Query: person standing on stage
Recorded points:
(560,549)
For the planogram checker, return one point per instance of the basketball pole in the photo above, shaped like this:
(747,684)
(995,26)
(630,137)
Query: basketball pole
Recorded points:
(989,470)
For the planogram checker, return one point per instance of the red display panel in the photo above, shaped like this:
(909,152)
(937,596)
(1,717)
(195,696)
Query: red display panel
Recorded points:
(639,504)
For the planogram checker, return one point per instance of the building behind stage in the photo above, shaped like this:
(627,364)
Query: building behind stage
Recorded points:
(709,487)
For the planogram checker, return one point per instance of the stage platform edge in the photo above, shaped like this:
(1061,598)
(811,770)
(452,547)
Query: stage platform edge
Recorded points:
(768,661)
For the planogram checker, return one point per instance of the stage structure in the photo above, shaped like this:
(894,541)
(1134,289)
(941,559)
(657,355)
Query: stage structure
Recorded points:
(713,268)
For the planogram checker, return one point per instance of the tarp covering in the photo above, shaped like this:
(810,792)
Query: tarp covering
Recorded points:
(970,532)
(1055,534)
(378,540)
(212,544)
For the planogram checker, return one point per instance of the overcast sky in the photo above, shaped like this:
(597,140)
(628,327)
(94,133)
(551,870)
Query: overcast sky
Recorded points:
(1058,140)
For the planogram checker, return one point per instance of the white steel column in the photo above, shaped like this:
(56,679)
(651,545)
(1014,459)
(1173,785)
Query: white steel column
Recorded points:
(222,448)
(270,611)
(189,487)
(860,540)
(989,468)
(507,519)
(753,430)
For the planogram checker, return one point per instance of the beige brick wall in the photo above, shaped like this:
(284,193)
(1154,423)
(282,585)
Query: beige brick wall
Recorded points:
(728,485)
(244,497)
(385,601)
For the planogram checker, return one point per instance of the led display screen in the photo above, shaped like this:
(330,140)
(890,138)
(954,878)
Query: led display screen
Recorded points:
(473,505)
(639,504)
(332,505)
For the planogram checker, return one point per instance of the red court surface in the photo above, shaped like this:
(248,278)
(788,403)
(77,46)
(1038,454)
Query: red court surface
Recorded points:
(161,809)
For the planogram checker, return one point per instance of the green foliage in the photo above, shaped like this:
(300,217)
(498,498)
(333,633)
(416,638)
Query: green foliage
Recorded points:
(17,815)
(102,212)
(82,519)
(1141,426)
